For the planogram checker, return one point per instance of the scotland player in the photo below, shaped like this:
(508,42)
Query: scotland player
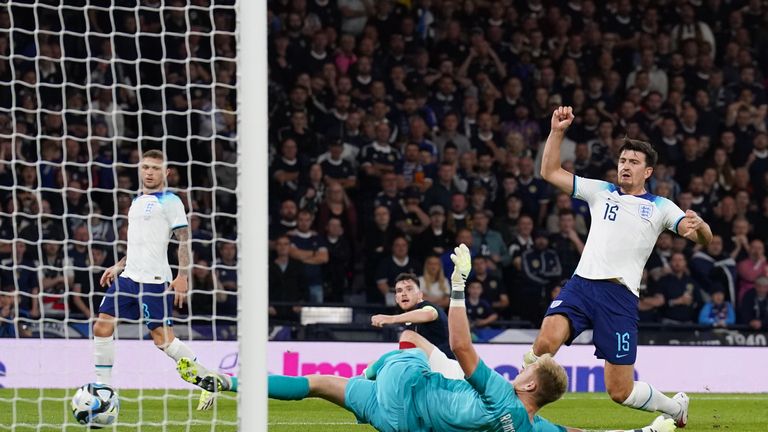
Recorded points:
(406,395)
(603,292)
(138,284)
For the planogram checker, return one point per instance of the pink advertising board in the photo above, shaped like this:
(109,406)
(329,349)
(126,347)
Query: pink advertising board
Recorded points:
(67,364)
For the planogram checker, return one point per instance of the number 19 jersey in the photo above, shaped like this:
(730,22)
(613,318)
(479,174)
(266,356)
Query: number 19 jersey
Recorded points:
(623,232)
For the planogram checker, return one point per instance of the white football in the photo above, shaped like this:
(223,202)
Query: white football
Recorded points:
(95,405)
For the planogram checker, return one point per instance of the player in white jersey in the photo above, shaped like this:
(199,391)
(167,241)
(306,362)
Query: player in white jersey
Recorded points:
(603,293)
(140,284)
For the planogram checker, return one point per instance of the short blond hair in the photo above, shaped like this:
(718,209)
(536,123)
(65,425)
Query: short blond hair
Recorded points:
(552,381)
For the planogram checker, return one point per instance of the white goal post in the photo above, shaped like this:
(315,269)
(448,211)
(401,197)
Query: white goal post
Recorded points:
(252,214)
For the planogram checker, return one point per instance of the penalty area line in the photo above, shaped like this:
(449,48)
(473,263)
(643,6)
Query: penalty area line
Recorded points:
(280,423)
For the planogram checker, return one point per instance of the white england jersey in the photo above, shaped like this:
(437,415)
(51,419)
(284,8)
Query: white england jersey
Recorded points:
(623,232)
(151,219)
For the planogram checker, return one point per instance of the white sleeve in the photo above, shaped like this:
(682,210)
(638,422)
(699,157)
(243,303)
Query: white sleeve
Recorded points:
(586,189)
(672,215)
(174,211)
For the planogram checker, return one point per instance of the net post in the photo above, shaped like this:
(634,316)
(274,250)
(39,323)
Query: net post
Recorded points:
(252,214)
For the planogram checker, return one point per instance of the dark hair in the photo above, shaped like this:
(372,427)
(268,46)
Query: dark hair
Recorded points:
(651,157)
(408,277)
(153,154)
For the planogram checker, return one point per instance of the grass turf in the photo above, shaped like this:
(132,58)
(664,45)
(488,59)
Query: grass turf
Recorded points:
(51,408)
(709,412)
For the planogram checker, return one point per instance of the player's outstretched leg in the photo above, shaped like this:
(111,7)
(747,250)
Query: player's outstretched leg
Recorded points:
(622,388)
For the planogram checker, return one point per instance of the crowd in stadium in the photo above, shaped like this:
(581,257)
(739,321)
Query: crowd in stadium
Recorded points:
(80,99)
(399,129)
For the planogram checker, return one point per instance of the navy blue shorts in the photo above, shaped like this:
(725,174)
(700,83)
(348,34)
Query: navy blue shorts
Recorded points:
(605,306)
(126,299)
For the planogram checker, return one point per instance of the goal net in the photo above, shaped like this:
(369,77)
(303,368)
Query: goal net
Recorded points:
(87,86)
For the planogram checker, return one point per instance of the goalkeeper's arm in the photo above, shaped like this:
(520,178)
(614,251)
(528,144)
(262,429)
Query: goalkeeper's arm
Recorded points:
(458,324)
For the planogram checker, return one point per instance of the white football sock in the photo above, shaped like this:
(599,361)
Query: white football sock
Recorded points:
(104,358)
(645,397)
(178,349)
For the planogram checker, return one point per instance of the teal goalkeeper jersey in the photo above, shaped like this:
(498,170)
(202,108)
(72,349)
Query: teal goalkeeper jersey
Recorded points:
(486,401)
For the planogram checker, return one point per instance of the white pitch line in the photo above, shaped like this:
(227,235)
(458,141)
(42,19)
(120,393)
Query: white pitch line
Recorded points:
(735,397)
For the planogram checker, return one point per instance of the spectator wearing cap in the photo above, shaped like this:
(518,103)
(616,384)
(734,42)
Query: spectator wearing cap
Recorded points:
(436,239)
(717,312)
(682,293)
(414,220)
(489,242)
(753,310)
(337,168)
(540,271)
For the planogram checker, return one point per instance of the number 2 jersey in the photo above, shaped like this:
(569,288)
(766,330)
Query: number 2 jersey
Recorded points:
(624,230)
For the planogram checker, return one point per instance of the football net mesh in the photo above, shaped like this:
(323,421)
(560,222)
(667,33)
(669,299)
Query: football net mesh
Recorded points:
(85,88)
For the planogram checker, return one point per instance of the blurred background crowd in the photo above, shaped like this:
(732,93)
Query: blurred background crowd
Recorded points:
(85,88)
(399,129)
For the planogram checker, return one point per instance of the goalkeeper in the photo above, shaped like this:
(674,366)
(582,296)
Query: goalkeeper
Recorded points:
(405,395)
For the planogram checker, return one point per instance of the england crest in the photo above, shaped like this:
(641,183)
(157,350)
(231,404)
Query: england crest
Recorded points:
(645,210)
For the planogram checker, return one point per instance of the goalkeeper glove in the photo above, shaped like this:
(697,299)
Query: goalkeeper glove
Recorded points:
(462,265)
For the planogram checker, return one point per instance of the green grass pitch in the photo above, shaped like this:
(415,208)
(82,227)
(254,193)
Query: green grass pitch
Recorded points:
(709,412)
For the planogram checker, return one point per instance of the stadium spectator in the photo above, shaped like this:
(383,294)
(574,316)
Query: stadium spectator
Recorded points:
(23,283)
(205,293)
(658,263)
(226,274)
(753,310)
(414,220)
(309,248)
(717,312)
(435,239)
(337,204)
(399,261)
(751,268)
(567,242)
(494,291)
(286,282)
(338,270)
(434,285)
(681,292)
(540,270)
(312,189)
(489,242)
(286,219)
(711,266)
(479,310)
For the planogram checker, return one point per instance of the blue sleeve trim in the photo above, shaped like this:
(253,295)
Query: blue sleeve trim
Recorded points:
(179,226)
(678,223)
(573,193)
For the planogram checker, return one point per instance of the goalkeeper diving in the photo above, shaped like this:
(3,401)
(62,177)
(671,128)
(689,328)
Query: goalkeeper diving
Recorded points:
(400,392)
